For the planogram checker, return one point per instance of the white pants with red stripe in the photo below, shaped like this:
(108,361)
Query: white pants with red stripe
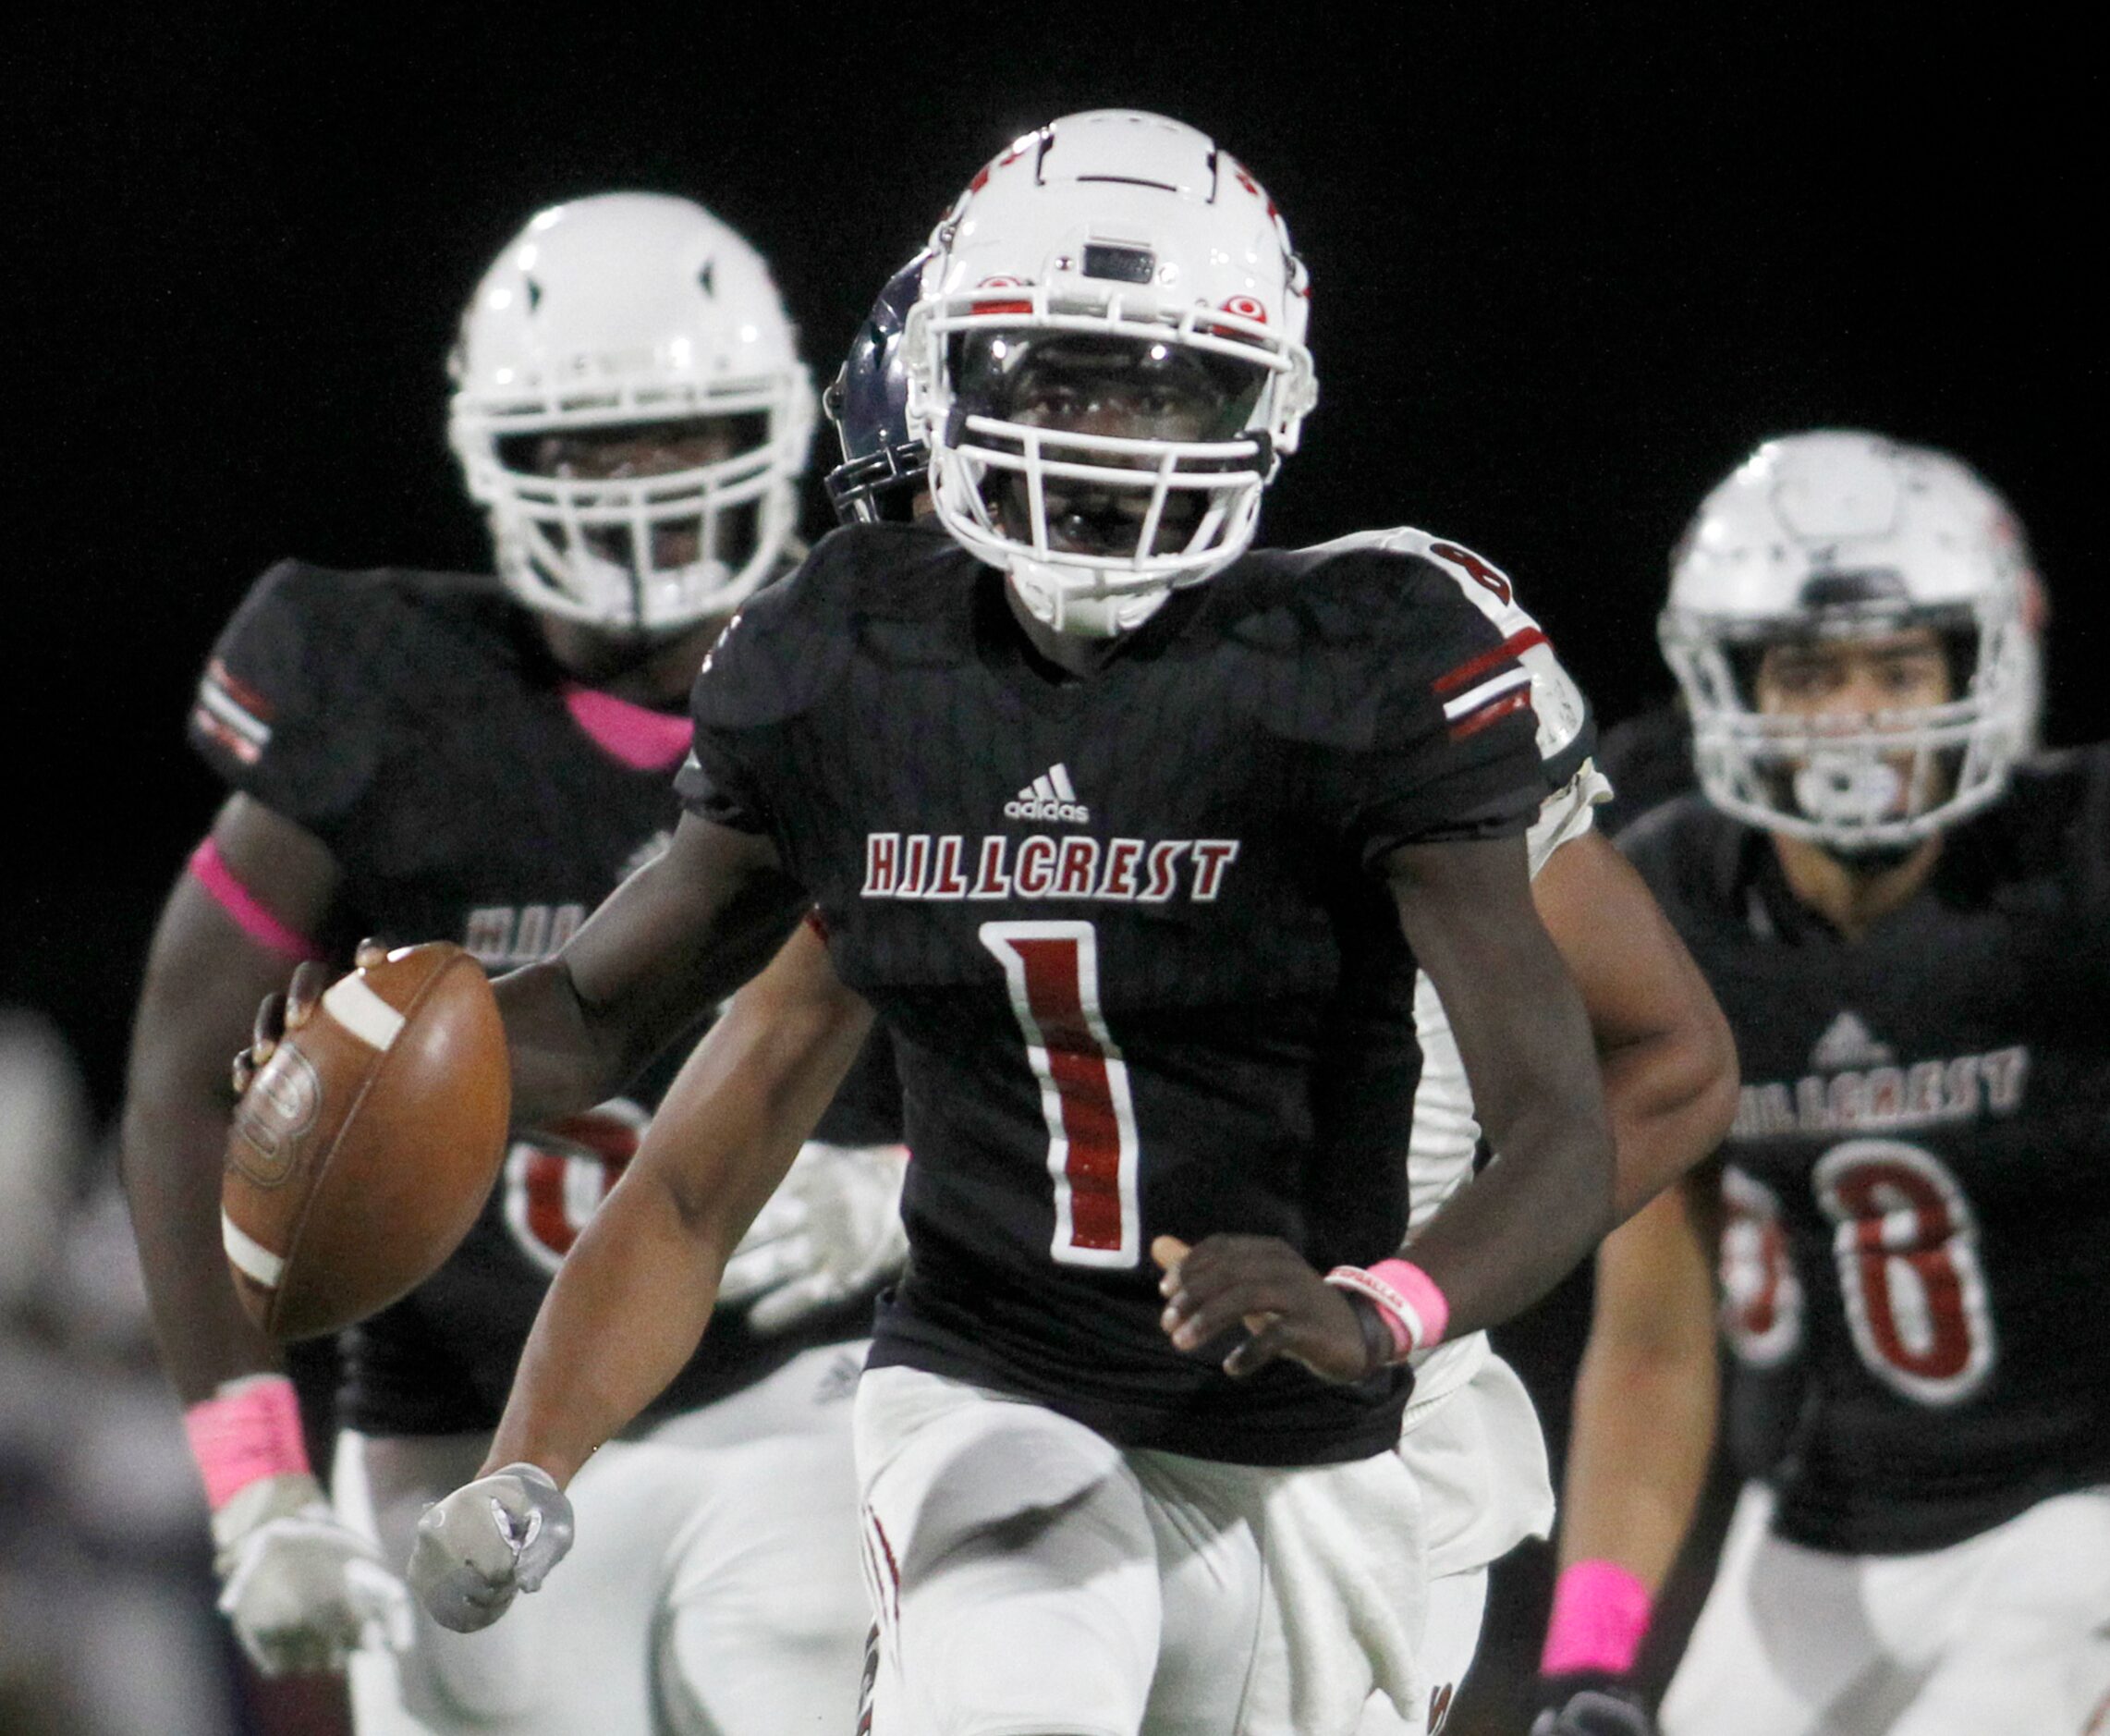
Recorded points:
(2008,1631)
(712,1590)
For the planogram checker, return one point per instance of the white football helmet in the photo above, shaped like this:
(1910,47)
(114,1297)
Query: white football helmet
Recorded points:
(1834,534)
(631,308)
(1132,238)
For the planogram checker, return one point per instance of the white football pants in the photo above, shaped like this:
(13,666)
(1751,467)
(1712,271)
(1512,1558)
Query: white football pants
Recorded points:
(1034,1580)
(1476,1449)
(713,1589)
(2007,1632)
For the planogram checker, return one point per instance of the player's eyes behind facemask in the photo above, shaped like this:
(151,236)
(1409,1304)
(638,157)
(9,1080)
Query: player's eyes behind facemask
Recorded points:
(1853,719)
(624,451)
(1110,425)
(635,497)
(1116,388)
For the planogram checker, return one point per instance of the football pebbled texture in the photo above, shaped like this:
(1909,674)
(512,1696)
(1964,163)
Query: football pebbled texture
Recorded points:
(363,1149)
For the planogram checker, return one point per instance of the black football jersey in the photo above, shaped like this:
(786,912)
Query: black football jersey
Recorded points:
(1143,975)
(1649,759)
(416,725)
(1917,1185)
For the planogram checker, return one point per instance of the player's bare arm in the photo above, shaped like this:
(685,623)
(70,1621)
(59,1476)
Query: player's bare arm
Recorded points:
(1525,1037)
(300,1590)
(633,1298)
(1645,1397)
(671,942)
(1667,1060)
(634,1295)
(205,975)
(1466,910)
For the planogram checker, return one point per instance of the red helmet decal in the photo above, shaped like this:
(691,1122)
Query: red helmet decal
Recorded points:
(984,304)
(1247,308)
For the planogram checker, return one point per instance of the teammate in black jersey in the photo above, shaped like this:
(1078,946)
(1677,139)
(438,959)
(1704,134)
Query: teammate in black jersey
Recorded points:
(412,755)
(1138,870)
(1910,933)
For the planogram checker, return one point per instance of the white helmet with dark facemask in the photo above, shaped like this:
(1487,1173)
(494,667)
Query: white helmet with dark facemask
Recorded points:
(631,311)
(1113,256)
(1835,534)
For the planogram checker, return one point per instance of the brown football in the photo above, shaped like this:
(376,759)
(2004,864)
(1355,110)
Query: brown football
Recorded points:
(363,1149)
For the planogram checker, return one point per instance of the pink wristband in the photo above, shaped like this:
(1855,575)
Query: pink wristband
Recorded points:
(209,869)
(249,1428)
(1406,1296)
(1600,1613)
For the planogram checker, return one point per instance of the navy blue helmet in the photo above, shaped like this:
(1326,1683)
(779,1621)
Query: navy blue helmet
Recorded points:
(883,469)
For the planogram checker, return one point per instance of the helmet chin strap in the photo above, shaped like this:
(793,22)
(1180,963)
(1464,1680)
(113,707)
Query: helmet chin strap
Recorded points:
(1040,587)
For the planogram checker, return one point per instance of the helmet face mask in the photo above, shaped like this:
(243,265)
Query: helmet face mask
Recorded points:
(1107,360)
(642,329)
(1844,622)
(1105,450)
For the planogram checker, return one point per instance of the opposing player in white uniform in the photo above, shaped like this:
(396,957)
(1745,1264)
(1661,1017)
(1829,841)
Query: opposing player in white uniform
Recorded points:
(482,759)
(1908,924)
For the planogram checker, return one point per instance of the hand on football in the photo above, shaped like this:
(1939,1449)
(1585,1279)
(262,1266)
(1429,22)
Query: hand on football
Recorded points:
(302,1589)
(1589,1705)
(833,1229)
(279,1013)
(1265,1285)
(486,1543)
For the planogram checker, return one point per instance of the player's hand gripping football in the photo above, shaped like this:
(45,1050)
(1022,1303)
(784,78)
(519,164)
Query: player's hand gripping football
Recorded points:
(302,1589)
(833,1229)
(290,1010)
(486,1543)
(1263,1284)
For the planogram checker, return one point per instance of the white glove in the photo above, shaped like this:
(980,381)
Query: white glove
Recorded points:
(486,1542)
(833,1229)
(302,1588)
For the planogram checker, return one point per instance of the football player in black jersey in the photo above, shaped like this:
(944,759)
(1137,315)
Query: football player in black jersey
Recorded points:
(1470,1435)
(1910,933)
(1139,869)
(413,754)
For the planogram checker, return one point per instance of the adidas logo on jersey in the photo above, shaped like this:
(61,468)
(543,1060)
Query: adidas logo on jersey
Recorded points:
(1847,1043)
(1049,797)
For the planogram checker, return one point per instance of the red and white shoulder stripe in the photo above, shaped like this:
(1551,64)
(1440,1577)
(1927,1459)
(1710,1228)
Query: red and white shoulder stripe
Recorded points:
(1473,694)
(232,713)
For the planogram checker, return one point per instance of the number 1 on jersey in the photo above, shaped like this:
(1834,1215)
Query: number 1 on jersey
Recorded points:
(1052,972)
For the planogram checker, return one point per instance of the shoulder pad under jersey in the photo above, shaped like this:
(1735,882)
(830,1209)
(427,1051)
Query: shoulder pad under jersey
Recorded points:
(893,588)
(1566,728)
(1687,850)
(2054,824)
(1345,645)
(319,673)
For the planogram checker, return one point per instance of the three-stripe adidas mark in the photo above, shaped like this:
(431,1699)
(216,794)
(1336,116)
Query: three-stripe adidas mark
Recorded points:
(1049,797)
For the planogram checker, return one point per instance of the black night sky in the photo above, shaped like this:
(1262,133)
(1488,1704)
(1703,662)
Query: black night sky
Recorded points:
(1569,262)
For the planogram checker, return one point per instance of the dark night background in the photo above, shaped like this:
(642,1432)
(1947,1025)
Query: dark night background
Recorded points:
(1570,263)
